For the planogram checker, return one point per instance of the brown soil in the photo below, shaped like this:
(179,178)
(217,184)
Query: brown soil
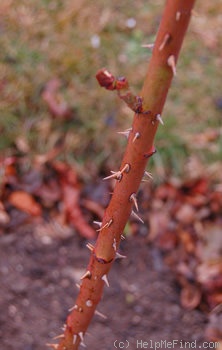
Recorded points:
(38,278)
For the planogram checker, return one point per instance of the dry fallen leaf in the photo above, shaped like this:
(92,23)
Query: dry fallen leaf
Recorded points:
(94,207)
(186,214)
(25,202)
(56,104)
(214,327)
(166,191)
(188,241)
(158,223)
(190,296)
(71,193)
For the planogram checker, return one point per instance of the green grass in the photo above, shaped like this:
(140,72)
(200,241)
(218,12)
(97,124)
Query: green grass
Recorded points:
(46,39)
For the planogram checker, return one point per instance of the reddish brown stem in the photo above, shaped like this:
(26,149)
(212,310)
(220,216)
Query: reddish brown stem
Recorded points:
(139,148)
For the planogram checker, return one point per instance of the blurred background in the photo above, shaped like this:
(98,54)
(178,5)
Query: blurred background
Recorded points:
(67,42)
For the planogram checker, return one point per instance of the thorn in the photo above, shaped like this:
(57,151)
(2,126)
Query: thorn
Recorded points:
(144,180)
(125,133)
(105,279)
(137,216)
(75,307)
(78,285)
(160,120)
(122,237)
(59,336)
(120,256)
(146,173)
(64,327)
(126,168)
(83,344)
(164,42)
(53,346)
(137,135)
(80,334)
(148,46)
(87,274)
(172,64)
(178,15)
(114,244)
(115,175)
(134,200)
(118,174)
(98,223)
(108,224)
(150,153)
(90,247)
(74,338)
(100,314)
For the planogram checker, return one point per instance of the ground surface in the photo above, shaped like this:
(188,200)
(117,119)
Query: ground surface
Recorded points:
(38,287)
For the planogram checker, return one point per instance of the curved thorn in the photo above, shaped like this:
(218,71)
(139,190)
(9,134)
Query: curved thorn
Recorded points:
(148,46)
(172,64)
(83,344)
(63,328)
(100,314)
(80,334)
(87,274)
(59,336)
(137,216)
(105,225)
(120,256)
(118,174)
(150,153)
(158,117)
(125,132)
(98,223)
(148,174)
(126,168)
(115,175)
(114,244)
(105,279)
(75,307)
(137,135)
(164,42)
(78,285)
(134,200)
(90,247)
(74,338)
